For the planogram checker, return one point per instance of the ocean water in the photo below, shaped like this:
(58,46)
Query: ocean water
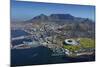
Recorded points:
(40,55)
(20,41)
(17,33)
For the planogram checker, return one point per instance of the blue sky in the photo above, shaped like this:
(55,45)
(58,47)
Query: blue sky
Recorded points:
(21,11)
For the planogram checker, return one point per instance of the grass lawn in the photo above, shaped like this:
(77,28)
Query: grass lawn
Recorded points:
(84,43)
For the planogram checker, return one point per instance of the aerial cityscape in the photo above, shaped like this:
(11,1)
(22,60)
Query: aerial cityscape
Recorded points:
(46,33)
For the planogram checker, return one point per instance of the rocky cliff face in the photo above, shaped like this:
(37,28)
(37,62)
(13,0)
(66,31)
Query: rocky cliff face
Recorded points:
(58,18)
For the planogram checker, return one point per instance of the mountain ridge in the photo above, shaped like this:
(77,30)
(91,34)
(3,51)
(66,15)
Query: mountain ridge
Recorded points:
(60,18)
